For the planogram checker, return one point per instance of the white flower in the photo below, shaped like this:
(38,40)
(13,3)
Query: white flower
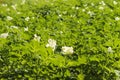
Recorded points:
(77,8)
(27,18)
(114,2)
(26,29)
(51,43)
(117,18)
(36,38)
(9,18)
(67,50)
(110,50)
(4,35)
(60,15)
(117,72)
(90,13)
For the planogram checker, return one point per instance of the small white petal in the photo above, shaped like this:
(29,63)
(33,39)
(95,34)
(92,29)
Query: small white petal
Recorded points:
(117,18)
(77,8)
(110,50)
(60,15)
(26,29)
(115,3)
(90,13)
(47,45)
(36,37)
(27,18)
(102,3)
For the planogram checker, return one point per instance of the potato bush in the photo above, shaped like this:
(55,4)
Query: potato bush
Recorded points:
(59,39)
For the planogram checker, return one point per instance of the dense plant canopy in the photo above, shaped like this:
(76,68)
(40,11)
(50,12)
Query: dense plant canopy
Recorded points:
(59,40)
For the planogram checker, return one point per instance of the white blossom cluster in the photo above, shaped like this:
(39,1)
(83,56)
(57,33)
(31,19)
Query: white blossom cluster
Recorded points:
(4,35)
(9,18)
(67,50)
(52,44)
(117,18)
(110,50)
(26,29)
(90,13)
(115,3)
(117,73)
(102,3)
(27,19)
(36,37)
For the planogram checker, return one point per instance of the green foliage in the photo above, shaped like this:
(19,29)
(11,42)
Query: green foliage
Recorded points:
(90,27)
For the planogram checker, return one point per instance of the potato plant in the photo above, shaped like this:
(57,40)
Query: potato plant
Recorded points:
(59,39)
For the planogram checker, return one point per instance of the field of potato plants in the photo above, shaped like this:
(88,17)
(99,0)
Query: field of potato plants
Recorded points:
(59,39)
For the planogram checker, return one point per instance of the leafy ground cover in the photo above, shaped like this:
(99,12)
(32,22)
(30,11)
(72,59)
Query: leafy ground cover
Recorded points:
(60,39)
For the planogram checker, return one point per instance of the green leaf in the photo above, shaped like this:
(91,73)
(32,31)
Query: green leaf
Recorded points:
(82,60)
(80,77)
(94,58)
(67,73)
